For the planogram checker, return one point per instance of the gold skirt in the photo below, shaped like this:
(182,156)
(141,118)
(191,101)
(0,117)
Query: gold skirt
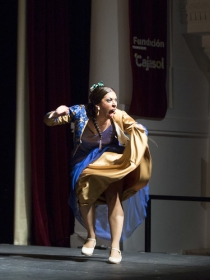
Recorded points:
(134,165)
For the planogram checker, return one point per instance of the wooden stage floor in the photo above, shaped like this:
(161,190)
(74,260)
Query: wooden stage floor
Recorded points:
(34,262)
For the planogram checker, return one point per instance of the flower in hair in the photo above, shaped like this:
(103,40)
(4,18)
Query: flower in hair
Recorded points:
(100,84)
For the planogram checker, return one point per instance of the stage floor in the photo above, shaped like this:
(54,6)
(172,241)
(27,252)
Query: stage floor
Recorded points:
(34,262)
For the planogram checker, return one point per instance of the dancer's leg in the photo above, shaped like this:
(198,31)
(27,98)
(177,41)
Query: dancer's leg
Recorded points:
(113,196)
(88,216)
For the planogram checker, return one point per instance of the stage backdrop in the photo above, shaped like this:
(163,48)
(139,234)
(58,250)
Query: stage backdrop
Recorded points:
(148,37)
(8,76)
(57,33)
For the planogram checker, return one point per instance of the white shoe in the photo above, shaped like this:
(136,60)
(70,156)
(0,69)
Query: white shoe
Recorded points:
(115,260)
(88,251)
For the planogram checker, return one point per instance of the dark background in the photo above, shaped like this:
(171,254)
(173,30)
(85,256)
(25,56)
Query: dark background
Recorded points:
(79,26)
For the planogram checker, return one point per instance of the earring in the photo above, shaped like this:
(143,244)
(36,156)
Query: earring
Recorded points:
(98,108)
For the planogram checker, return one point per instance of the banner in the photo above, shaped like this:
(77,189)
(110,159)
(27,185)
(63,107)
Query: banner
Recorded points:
(148,37)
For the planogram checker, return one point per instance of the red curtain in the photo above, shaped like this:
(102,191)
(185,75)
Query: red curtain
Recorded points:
(49,87)
(148,40)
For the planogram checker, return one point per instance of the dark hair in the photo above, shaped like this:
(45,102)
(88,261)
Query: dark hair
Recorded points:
(95,97)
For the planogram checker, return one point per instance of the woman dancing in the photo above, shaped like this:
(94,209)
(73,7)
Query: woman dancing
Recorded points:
(110,170)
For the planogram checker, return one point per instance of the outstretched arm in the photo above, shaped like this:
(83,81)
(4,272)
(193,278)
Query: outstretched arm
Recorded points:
(57,117)
(60,111)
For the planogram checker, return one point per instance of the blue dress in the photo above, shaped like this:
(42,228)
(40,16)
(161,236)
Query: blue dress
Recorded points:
(134,207)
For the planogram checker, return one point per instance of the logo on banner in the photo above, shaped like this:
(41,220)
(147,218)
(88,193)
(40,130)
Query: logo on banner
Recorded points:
(145,61)
(148,55)
(147,43)
(148,63)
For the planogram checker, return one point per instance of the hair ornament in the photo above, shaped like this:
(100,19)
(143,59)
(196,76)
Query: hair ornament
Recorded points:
(100,84)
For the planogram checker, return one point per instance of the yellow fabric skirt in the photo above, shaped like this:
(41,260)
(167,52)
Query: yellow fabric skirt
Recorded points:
(134,165)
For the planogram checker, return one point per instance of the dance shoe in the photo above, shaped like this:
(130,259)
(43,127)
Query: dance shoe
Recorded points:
(115,260)
(88,251)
